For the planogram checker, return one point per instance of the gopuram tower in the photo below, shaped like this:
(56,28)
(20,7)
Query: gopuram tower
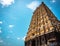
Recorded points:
(44,29)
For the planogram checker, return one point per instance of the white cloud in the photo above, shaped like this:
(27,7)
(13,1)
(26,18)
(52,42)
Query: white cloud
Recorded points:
(50,7)
(7,37)
(53,1)
(6,2)
(1,22)
(0,31)
(0,28)
(11,31)
(23,38)
(33,5)
(1,41)
(18,38)
(11,26)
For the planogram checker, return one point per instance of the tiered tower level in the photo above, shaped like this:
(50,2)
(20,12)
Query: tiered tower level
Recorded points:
(44,29)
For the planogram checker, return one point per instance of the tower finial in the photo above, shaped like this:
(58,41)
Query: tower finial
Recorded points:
(42,2)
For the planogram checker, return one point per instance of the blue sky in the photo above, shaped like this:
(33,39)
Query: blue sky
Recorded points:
(15,17)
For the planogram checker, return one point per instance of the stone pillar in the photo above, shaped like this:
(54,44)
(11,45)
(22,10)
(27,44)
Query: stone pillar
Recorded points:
(26,44)
(35,41)
(30,43)
(38,41)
